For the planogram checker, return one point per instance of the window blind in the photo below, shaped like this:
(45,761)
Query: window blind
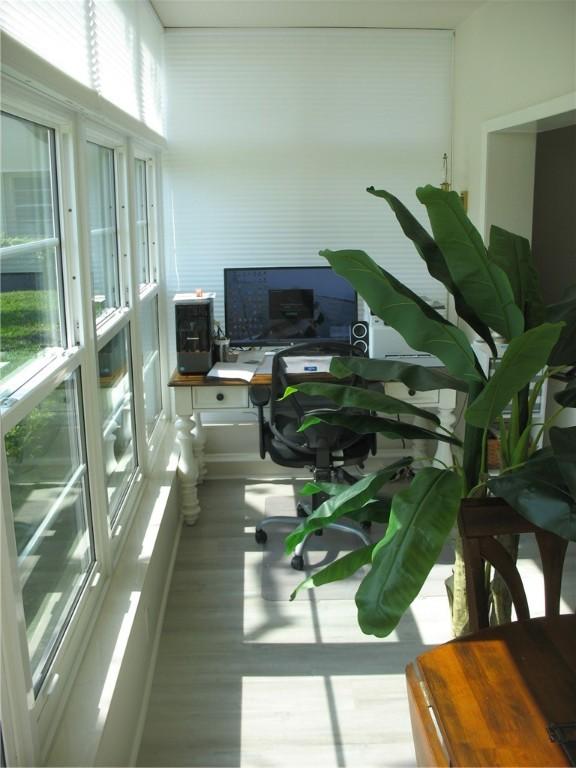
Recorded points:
(57,30)
(274,135)
(116,50)
(114,47)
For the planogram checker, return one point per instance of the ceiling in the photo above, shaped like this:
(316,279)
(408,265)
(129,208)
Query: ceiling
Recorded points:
(418,14)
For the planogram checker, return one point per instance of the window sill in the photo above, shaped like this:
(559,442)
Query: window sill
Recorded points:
(103,714)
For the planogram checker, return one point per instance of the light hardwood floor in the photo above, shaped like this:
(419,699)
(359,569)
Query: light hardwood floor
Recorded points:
(243,682)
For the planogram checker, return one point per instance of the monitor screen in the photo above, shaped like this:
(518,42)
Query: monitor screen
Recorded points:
(269,306)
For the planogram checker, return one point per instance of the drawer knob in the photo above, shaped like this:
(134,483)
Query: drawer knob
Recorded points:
(220,397)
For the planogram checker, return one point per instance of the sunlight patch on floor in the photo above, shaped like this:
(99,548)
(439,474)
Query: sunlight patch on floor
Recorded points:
(340,709)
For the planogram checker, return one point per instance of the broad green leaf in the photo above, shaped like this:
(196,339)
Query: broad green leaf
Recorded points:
(513,254)
(538,491)
(334,489)
(519,448)
(418,377)
(524,357)
(422,327)
(343,568)
(564,353)
(377,511)
(331,489)
(567,397)
(359,397)
(563,442)
(484,285)
(366,425)
(471,456)
(355,497)
(435,262)
(422,516)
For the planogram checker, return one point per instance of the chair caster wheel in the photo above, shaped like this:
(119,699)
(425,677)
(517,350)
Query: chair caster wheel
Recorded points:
(301,510)
(297,563)
(261,536)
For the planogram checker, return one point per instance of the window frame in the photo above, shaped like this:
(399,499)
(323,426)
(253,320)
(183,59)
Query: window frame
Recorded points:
(142,284)
(42,705)
(32,719)
(149,298)
(124,509)
(38,365)
(149,291)
(74,374)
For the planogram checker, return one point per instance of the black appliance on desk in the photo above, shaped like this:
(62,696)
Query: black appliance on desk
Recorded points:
(194,331)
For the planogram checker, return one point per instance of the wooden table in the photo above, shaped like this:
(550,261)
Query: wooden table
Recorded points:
(488,698)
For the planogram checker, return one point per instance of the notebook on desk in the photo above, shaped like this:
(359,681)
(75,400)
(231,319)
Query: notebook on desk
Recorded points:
(298,364)
(243,371)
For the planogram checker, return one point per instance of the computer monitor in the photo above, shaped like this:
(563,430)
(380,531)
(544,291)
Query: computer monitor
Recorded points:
(278,306)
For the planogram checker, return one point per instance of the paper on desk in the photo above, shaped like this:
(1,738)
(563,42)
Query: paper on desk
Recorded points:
(299,364)
(243,371)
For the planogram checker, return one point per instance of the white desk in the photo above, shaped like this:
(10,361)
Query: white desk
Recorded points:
(194,394)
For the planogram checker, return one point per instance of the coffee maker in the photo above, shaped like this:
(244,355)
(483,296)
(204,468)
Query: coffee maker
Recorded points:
(194,313)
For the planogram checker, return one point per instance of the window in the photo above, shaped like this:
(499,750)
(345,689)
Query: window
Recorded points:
(103,230)
(151,364)
(142,247)
(117,407)
(47,475)
(70,446)
(31,305)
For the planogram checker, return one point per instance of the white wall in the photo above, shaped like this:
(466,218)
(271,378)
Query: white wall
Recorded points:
(274,135)
(508,56)
(509,190)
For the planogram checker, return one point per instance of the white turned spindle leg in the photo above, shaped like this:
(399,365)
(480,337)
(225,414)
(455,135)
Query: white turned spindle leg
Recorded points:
(420,446)
(187,470)
(199,438)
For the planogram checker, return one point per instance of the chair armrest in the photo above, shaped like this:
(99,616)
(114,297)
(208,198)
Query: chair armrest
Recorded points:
(260,397)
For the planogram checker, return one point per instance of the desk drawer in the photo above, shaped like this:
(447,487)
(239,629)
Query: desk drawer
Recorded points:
(213,398)
(399,390)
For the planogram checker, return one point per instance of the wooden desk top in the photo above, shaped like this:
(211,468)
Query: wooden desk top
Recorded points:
(494,693)
(200,380)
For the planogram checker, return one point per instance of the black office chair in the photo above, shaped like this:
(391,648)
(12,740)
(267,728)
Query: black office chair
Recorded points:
(323,448)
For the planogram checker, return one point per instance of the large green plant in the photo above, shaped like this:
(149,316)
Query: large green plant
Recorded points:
(495,291)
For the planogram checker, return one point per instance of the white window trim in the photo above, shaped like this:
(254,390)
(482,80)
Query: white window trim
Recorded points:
(38,719)
(148,297)
(114,143)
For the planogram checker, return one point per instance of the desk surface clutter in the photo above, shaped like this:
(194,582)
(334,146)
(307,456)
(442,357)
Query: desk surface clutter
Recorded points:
(244,371)
(252,371)
(488,699)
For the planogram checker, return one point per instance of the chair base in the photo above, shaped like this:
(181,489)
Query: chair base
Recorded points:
(297,561)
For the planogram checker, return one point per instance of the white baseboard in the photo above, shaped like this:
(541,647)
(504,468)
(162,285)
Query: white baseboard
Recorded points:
(154,654)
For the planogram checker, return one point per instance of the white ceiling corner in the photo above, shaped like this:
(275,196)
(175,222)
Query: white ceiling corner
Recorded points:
(411,14)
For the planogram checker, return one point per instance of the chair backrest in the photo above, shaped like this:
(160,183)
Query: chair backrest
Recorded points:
(481,521)
(298,405)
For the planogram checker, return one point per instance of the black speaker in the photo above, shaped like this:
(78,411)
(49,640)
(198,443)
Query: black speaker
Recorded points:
(359,335)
